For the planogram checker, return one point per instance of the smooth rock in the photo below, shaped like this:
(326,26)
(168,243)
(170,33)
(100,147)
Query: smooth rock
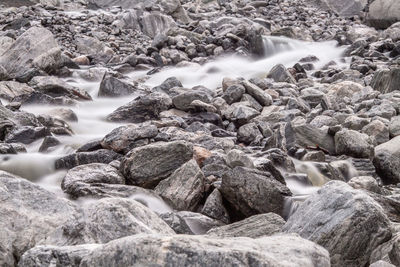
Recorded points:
(387,161)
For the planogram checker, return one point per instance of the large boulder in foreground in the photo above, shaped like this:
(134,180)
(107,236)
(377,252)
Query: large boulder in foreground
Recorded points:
(387,161)
(28,213)
(383,13)
(146,166)
(182,250)
(33,48)
(345,221)
(251,192)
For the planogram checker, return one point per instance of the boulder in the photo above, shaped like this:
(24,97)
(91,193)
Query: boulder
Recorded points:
(27,49)
(387,161)
(113,87)
(262,97)
(279,73)
(368,183)
(11,89)
(308,136)
(146,166)
(81,158)
(233,93)
(345,8)
(254,227)
(383,13)
(345,221)
(388,252)
(386,81)
(394,126)
(184,100)
(26,134)
(28,214)
(155,23)
(353,143)
(184,189)
(142,108)
(214,207)
(252,192)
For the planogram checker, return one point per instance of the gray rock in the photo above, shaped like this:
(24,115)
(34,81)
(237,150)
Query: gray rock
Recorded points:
(11,89)
(233,93)
(146,166)
(368,183)
(353,143)
(254,227)
(26,134)
(124,138)
(284,250)
(345,8)
(48,142)
(155,23)
(280,74)
(252,192)
(113,87)
(105,220)
(237,158)
(386,81)
(184,188)
(241,113)
(214,207)
(262,97)
(387,161)
(126,4)
(383,13)
(28,214)
(184,100)
(394,126)
(345,221)
(142,108)
(381,264)
(388,252)
(308,136)
(81,158)
(32,44)
(377,131)
(249,133)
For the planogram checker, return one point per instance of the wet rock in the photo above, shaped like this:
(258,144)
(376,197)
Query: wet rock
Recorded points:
(214,207)
(387,161)
(105,220)
(113,87)
(368,183)
(386,81)
(262,97)
(184,100)
(383,13)
(175,250)
(237,158)
(353,143)
(81,158)
(253,192)
(156,23)
(146,166)
(394,126)
(26,134)
(30,46)
(345,221)
(48,142)
(280,74)
(233,93)
(124,138)
(345,8)
(11,89)
(309,136)
(142,108)
(184,188)
(29,213)
(388,252)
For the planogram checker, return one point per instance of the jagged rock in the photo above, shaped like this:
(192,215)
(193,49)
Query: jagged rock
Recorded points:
(233,93)
(252,192)
(345,8)
(280,74)
(184,188)
(309,136)
(48,142)
(28,214)
(146,166)
(26,134)
(388,252)
(184,100)
(113,87)
(353,143)
(124,138)
(383,13)
(377,131)
(254,227)
(11,89)
(155,23)
(81,158)
(386,81)
(237,158)
(345,221)
(365,182)
(387,161)
(262,97)
(142,108)
(214,207)
(394,126)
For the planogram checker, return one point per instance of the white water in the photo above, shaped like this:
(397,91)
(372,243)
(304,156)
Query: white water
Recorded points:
(92,125)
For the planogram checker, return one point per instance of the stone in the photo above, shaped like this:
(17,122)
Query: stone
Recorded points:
(368,183)
(28,47)
(252,192)
(377,131)
(383,13)
(113,87)
(388,252)
(386,81)
(308,136)
(214,207)
(387,161)
(26,134)
(249,133)
(184,189)
(394,126)
(233,93)
(48,142)
(381,264)
(142,109)
(241,113)
(155,23)
(124,138)
(28,214)
(184,100)
(146,166)
(279,73)
(254,227)
(345,8)
(11,89)
(262,97)
(81,158)
(354,144)
(345,221)
(237,158)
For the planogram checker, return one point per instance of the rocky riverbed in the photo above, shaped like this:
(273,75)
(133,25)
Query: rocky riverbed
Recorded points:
(200,133)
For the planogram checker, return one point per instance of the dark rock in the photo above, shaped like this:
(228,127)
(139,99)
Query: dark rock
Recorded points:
(214,207)
(81,158)
(113,87)
(280,74)
(48,142)
(387,161)
(386,81)
(26,134)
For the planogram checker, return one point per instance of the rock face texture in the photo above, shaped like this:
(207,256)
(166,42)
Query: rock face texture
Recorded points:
(383,13)
(346,8)
(345,221)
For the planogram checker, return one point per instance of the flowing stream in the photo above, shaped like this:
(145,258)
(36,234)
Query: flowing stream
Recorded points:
(91,125)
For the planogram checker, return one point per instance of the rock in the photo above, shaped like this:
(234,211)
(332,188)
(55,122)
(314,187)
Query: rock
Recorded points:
(252,192)
(262,97)
(309,136)
(146,166)
(26,134)
(108,219)
(56,87)
(184,188)
(65,114)
(393,32)
(249,133)
(28,214)
(26,50)
(354,144)
(284,250)
(383,13)
(142,108)
(254,227)
(394,126)
(345,8)
(214,207)
(11,89)
(113,87)
(387,161)
(345,221)
(241,113)
(388,252)
(155,23)
(80,176)
(237,158)
(377,131)
(96,50)
(81,158)
(48,142)
(280,74)
(381,264)
(386,81)
(233,93)
(124,138)
(184,100)
(365,182)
